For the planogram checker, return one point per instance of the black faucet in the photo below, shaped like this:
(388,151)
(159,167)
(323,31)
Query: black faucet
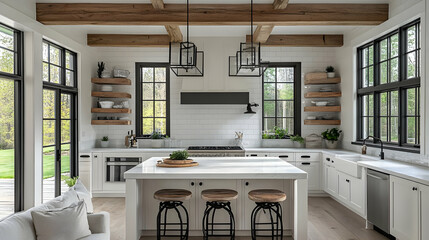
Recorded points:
(375,141)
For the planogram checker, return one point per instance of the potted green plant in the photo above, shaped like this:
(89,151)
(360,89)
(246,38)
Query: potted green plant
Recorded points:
(179,155)
(298,141)
(276,138)
(105,142)
(155,140)
(331,137)
(71,181)
(330,71)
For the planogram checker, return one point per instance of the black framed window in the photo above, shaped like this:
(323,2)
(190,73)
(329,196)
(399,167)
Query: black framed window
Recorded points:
(282,97)
(389,88)
(152,99)
(11,121)
(59,119)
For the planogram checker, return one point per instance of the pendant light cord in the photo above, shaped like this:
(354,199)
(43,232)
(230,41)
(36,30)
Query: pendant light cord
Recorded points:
(187,21)
(251,24)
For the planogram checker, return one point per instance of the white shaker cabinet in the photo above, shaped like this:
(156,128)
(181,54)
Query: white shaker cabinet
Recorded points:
(332,180)
(313,170)
(404,209)
(288,157)
(424,211)
(343,187)
(97,172)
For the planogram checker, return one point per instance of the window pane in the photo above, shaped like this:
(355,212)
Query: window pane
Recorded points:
(383,104)
(371,76)
(48,104)
(48,132)
(147,126)
(364,127)
(54,55)
(45,52)
(383,73)
(7,147)
(55,74)
(286,123)
(411,38)
(365,77)
(269,109)
(365,105)
(7,59)
(65,166)
(161,125)
(48,174)
(365,57)
(371,55)
(7,38)
(394,103)
(65,106)
(160,75)
(370,105)
(394,45)
(285,75)
(411,130)
(65,131)
(383,128)
(148,91)
(285,91)
(147,74)
(383,50)
(269,124)
(147,110)
(411,101)
(371,126)
(160,91)
(160,109)
(270,75)
(69,78)
(411,65)
(285,109)
(69,61)
(394,125)
(269,91)
(394,70)
(45,72)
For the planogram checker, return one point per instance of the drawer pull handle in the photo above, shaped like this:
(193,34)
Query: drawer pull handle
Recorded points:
(192,183)
(328,159)
(283,156)
(305,156)
(347,180)
(84,156)
(305,163)
(253,155)
(247,183)
(201,183)
(414,189)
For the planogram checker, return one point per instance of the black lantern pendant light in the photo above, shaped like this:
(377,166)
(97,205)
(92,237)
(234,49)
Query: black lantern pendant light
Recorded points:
(247,61)
(185,59)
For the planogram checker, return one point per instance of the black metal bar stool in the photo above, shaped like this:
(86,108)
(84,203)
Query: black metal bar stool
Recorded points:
(218,199)
(172,199)
(267,200)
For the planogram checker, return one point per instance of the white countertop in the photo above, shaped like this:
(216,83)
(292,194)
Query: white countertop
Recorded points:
(220,168)
(136,150)
(304,150)
(404,170)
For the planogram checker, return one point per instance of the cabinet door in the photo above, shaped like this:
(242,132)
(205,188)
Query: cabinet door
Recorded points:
(288,157)
(97,172)
(424,211)
(221,215)
(343,187)
(249,205)
(151,205)
(332,181)
(357,195)
(313,170)
(404,209)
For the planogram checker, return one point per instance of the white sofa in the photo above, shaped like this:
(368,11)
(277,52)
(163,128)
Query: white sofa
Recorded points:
(20,225)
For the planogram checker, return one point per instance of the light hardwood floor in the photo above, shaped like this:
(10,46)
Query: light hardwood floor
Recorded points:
(327,220)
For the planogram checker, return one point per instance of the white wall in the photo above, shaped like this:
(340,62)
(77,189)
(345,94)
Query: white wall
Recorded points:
(401,13)
(210,124)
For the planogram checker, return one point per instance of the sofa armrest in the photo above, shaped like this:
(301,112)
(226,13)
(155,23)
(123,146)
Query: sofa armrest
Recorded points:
(99,222)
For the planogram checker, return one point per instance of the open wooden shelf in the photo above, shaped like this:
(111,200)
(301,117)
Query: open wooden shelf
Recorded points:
(322,122)
(322,94)
(110,110)
(111,94)
(322,81)
(111,81)
(111,122)
(322,109)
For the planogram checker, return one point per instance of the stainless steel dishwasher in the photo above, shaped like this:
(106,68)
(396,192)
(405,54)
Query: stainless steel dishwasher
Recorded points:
(378,187)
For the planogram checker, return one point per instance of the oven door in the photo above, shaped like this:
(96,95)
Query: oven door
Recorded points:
(116,167)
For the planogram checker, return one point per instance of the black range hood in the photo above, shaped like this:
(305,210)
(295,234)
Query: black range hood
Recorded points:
(238,98)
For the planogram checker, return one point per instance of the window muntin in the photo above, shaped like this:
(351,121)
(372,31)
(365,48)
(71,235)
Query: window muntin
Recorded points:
(281,104)
(152,99)
(384,106)
(59,65)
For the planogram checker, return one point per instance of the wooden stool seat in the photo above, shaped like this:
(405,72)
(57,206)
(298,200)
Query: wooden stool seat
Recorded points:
(219,195)
(172,195)
(267,195)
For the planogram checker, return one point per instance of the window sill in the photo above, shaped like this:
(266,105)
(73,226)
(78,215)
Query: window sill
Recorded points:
(390,147)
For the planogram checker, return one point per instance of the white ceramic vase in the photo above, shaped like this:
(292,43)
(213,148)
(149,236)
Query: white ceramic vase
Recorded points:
(298,145)
(331,74)
(331,144)
(104,144)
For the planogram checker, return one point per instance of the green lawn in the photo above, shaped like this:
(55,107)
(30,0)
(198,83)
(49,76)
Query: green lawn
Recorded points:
(7,163)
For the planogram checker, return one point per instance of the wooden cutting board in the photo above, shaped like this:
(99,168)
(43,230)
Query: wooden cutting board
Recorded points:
(177,162)
(162,164)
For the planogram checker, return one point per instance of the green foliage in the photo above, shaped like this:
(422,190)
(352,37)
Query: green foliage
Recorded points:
(279,133)
(329,69)
(105,139)
(332,134)
(179,155)
(71,181)
(297,138)
(156,135)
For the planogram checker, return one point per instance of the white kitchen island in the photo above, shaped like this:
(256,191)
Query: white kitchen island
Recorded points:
(238,173)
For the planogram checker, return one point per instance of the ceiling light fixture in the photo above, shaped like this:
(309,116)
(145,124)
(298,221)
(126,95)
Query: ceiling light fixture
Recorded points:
(185,59)
(247,61)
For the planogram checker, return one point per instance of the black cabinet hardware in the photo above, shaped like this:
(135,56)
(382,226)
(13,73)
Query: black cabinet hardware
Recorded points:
(84,156)
(201,184)
(253,155)
(328,159)
(305,156)
(305,163)
(347,180)
(247,183)
(283,156)
(192,183)
(414,189)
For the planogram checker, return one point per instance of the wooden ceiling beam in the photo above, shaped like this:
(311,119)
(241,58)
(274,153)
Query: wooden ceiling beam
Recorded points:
(280,4)
(158,4)
(210,14)
(127,40)
(262,33)
(315,40)
(174,33)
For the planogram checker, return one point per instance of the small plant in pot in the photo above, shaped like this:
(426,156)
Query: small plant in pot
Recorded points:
(157,139)
(331,137)
(275,138)
(298,141)
(330,71)
(179,155)
(105,142)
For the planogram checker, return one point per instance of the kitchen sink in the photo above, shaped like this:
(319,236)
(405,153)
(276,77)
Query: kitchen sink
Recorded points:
(348,164)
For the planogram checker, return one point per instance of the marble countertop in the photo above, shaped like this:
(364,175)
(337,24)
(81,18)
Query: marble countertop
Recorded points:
(136,150)
(404,170)
(220,168)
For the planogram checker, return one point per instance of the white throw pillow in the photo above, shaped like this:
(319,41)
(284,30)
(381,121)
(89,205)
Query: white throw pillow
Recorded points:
(67,223)
(65,200)
(84,194)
